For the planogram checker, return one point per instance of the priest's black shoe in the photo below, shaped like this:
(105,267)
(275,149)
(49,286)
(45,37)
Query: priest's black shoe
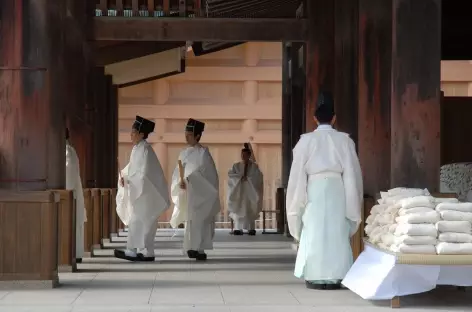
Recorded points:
(252,232)
(315,286)
(78,260)
(120,254)
(238,232)
(333,286)
(201,256)
(192,254)
(141,257)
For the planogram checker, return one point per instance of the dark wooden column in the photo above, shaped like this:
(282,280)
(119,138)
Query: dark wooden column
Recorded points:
(320,54)
(375,57)
(416,88)
(286,113)
(114,134)
(346,16)
(32,144)
(399,93)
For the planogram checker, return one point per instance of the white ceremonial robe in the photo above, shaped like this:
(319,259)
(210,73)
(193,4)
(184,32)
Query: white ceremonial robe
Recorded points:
(143,199)
(324,200)
(73,182)
(245,198)
(199,203)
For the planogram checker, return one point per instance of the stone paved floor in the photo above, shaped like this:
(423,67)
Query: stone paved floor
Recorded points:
(243,274)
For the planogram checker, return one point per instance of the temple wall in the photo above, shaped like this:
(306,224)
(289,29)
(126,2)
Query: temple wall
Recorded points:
(456,78)
(236,92)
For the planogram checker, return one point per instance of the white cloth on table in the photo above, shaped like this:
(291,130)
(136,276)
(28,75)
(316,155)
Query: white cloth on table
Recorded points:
(74,182)
(444,248)
(403,212)
(376,276)
(416,218)
(450,237)
(439,200)
(416,229)
(454,226)
(379,208)
(199,203)
(413,249)
(454,215)
(385,218)
(415,240)
(418,201)
(464,207)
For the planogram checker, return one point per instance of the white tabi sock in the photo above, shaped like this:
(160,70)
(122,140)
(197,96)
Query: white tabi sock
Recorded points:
(130,253)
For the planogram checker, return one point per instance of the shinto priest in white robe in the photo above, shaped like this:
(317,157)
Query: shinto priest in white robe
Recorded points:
(142,199)
(197,205)
(324,198)
(73,182)
(245,197)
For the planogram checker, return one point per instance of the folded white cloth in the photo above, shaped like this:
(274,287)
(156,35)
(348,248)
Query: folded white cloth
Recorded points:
(415,240)
(385,218)
(413,249)
(418,201)
(368,229)
(393,209)
(407,191)
(403,212)
(387,239)
(450,237)
(416,229)
(454,249)
(378,209)
(464,207)
(438,200)
(370,219)
(416,218)
(454,215)
(454,226)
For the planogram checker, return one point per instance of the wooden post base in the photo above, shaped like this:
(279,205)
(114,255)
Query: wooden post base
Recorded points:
(395,303)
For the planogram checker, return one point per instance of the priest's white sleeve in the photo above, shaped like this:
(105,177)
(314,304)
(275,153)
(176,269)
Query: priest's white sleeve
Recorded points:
(296,190)
(353,187)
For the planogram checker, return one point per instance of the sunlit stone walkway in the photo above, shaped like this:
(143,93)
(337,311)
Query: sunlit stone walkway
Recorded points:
(243,274)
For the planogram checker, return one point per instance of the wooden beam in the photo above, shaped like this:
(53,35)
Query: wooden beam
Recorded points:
(130,50)
(206,112)
(199,29)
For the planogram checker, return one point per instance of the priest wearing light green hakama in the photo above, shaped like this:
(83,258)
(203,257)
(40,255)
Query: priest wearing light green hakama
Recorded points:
(324,198)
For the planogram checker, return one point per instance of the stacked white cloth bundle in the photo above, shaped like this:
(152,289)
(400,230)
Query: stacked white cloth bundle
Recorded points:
(415,230)
(455,228)
(381,224)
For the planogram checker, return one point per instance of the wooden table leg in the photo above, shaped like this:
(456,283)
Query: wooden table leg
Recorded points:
(395,303)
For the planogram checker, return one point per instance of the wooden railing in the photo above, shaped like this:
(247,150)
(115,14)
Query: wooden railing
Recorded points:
(148,8)
(198,8)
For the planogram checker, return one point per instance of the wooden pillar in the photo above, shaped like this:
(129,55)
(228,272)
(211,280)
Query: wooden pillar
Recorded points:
(399,93)
(286,114)
(416,93)
(320,58)
(31,82)
(346,65)
(114,135)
